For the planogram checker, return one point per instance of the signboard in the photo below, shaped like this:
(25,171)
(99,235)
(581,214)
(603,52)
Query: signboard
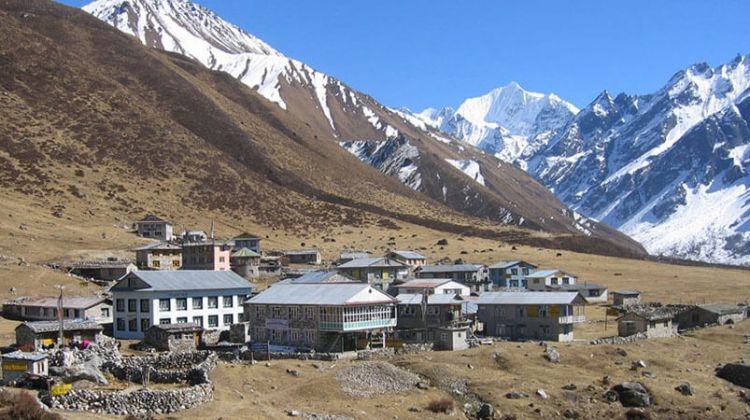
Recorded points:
(60,389)
(259,346)
(11,366)
(277,324)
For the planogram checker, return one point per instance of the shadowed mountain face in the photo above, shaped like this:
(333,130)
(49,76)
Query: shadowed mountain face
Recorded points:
(422,159)
(94,121)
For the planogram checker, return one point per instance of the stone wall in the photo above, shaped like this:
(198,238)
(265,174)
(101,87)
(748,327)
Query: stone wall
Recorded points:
(169,368)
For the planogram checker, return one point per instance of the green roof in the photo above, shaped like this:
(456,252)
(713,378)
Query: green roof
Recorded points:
(245,252)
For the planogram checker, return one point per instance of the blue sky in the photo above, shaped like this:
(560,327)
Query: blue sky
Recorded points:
(420,53)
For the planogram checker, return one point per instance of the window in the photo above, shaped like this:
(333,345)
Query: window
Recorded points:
(553,281)
(241,299)
(228,319)
(181,304)
(213,302)
(520,311)
(228,301)
(133,325)
(260,312)
(198,320)
(120,305)
(175,263)
(132,305)
(156,263)
(120,324)
(543,311)
(197,303)
(145,324)
(145,306)
(514,271)
(221,259)
(294,335)
(66,312)
(525,271)
(276,312)
(164,305)
(105,312)
(240,317)
(164,321)
(566,280)
(309,313)
(78,313)
(499,311)
(182,320)
(213,321)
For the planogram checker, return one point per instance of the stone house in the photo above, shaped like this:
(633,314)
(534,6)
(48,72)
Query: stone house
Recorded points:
(652,322)
(325,317)
(161,256)
(473,275)
(108,270)
(189,236)
(211,299)
(245,262)
(154,227)
(436,318)
(247,240)
(317,277)
(711,314)
(213,255)
(37,335)
(622,298)
(432,287)
(381,272)
(307,256)
(92,308)
(181,337)
(510,274)
(17,364)
(410,258)
(539,280)
(593,293)
(531,315)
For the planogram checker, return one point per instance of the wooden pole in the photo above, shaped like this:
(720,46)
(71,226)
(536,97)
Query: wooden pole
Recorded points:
(268,349)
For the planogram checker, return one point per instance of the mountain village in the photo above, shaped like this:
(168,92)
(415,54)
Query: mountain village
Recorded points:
(196,225)
(188,301)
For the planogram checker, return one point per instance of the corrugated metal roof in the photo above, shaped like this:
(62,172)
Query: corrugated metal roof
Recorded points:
(100,264)
(627,292)
(22,355)
(68,325)
(540,274)
(506,264)
(69,302)
(303,252)
(245,253)
(319,294)
(320,277)
(527,298)
(179,327)
(409,255)
(588,286)
(436,299)
(354,255)
(158,246)
(423,283)
(372,263)
(723,308)
(188,280)
(246,236)
(450,268)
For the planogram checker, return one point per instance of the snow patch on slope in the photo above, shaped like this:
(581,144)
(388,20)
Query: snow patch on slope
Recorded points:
(469,167)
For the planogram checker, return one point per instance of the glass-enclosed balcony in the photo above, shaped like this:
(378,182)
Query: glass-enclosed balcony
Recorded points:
(356,318)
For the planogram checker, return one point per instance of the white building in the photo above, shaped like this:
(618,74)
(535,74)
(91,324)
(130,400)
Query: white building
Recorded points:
(540,279)
(212,299)
(433,287)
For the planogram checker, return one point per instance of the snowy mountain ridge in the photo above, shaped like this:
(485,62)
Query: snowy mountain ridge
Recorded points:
(508,121)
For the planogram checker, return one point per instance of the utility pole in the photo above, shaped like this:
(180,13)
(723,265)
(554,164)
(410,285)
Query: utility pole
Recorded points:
(61,338)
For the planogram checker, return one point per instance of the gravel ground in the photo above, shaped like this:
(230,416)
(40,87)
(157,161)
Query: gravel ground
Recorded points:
(375,378)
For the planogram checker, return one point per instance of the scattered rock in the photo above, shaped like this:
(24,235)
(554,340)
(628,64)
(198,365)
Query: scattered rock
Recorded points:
(736,373)
(415,409)
(293,372)
(552,354)
(570,387)
(470,366)
(542,394)
(423,385)
(632,394)
(606,380)
(637,414)
(293,413)
(685,389)
(648,374)
(570,414)
(442,242)
(375,378)
(23,226)
(316,365)
(622,352)
(637,364)
(515,395)
(487,411)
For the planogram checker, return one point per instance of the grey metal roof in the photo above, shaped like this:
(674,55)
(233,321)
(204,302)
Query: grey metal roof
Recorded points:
(653,314)
(627,292)
(546,273)
(723,308)
(449,268)
(158,246)
(320,277)
(152,218)
(101,264)
(354,255)
(69,302)
(68,325)
(303,252)
(423,283)
(319,294)
(22,355)
(409,255)
(372,263)
(588,286)
(178,327)
(527,298)
(187,280)
(506,264)
(246,236)
(436,299)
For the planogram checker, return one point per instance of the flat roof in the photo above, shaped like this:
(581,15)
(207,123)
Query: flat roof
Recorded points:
(437,299)
(424,283)
(506,264)
(69,302)
(68,325)
(321,294)
(159,246)
(723,308)
(302,252)
(409,255)
(317,277)
(527,298)
(372,262)
(26,356)
(547,272)
(627,292)
(178,327)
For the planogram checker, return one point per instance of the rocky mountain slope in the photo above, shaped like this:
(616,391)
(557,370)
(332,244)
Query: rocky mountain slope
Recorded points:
(96,125)
(669,168)
(508,122)
(395,143)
